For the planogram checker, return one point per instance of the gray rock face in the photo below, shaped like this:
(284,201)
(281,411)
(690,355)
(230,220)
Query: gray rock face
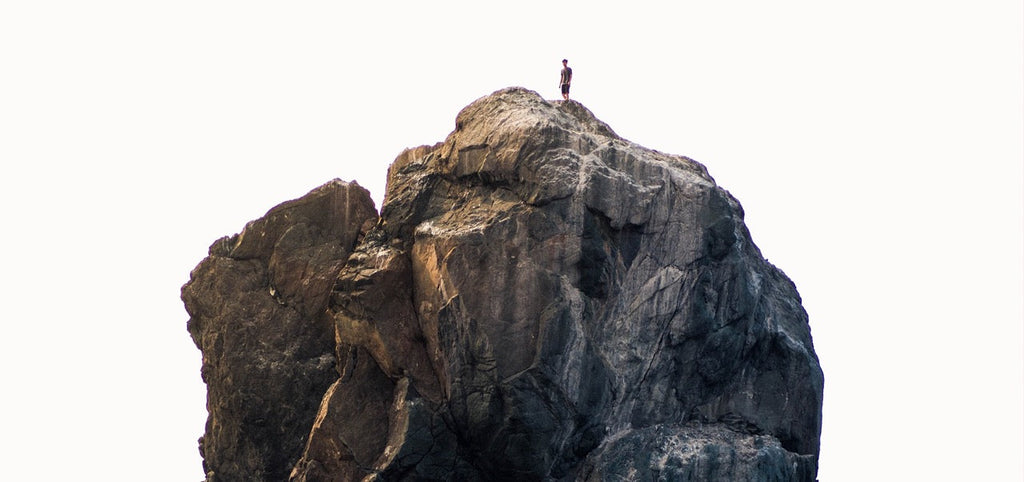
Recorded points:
(540,299)
(695,452)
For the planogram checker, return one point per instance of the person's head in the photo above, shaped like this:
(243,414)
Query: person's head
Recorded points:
(565,62)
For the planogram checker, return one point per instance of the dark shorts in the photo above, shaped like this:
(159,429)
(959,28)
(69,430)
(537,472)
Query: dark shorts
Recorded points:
(565,88)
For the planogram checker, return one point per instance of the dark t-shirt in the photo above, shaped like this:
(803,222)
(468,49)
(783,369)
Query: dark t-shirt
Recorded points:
(566,75)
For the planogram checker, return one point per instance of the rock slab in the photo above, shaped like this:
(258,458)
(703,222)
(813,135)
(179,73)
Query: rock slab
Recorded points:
(539,299)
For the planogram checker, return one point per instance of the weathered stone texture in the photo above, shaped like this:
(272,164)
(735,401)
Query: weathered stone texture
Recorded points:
(540,299)
(256,306)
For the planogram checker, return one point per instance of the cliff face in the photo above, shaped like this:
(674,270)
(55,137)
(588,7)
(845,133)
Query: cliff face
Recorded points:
(539,299)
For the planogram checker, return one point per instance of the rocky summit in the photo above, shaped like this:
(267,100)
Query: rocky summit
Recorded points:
(538,299)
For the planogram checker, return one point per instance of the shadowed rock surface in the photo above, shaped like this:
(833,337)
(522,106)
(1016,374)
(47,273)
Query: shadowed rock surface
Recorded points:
(539,299)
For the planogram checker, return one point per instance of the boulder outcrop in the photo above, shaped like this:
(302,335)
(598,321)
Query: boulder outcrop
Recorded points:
(539,299)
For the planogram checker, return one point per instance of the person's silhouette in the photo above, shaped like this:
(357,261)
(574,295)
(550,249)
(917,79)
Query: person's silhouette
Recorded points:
(566,79)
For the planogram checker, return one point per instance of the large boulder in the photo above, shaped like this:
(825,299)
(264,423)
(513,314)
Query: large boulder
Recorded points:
(539,299)
(257,308)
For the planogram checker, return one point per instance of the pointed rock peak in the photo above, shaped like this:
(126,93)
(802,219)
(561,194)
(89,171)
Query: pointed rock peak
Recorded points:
(517,107)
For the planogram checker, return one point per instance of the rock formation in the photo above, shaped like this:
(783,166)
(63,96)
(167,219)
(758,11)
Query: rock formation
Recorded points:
(539,299)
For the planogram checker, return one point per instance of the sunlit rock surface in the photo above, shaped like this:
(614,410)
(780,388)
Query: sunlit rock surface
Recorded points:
(539,299)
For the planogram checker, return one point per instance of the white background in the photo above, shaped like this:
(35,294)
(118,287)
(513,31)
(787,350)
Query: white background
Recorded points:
(875,145)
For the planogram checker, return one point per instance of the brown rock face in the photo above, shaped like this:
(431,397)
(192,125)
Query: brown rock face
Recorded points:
(539,299)
(257,305)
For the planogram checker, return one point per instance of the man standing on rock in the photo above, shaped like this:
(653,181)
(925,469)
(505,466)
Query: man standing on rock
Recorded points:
(566,79)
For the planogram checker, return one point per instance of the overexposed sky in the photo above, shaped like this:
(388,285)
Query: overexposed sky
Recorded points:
(876,147)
